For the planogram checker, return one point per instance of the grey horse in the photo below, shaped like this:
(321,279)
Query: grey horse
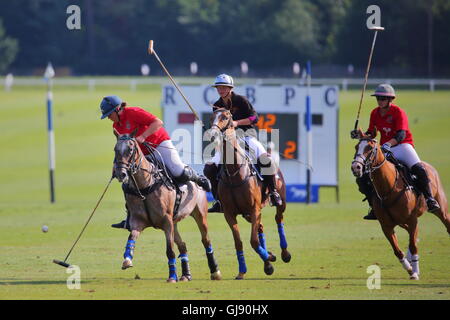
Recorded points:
(150,200)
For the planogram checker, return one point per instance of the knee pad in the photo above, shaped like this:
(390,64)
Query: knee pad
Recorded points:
(266,164)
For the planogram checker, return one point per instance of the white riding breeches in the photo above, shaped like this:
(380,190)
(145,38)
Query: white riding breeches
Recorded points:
(170,157)
(406,154)
(256,150)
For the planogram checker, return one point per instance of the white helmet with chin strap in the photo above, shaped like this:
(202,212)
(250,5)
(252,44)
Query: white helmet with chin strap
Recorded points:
(223,80)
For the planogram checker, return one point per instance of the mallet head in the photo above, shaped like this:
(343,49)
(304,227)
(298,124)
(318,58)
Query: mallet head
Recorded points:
(377,28)
(150,47)
(61,263)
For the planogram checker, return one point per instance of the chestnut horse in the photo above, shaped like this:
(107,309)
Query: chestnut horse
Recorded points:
(395,203)
(242,192)
(150,200)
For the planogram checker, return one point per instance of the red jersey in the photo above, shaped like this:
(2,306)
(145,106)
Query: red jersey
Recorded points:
(395,119)
(134,117)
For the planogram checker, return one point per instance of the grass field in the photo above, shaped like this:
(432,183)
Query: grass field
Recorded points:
(330,243)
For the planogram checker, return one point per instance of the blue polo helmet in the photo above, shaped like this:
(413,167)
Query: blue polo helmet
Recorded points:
(109,105)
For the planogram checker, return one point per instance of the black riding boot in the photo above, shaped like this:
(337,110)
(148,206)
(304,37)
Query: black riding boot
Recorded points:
(423,183)
(190,175)
(275,198)
(268,172)
(124,224)
(211,171)
(365,187)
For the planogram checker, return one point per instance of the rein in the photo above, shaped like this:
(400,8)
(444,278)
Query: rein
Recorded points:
(371,168)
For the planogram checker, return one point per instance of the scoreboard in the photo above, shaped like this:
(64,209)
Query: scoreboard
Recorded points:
(281,115)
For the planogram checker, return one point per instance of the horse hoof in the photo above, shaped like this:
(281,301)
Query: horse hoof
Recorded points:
(240,276)
(268,268)
(414,276)
(127,263)
(186,277)
(216,275)
(171,280)
(272,257)
(285,256)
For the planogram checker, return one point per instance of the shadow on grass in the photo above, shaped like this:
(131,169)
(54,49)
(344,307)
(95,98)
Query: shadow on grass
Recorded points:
(15,282)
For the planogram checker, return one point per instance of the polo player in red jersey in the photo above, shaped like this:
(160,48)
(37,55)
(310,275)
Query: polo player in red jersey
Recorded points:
(150,130)
(392,123)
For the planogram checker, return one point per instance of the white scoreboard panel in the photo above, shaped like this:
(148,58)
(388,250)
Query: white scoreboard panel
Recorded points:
(279,107)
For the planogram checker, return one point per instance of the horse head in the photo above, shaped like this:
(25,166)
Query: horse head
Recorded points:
(221,120)
(367,151)
(126,155)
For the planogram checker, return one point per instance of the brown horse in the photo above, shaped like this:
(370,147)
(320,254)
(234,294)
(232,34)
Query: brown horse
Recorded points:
(242,192)
(150,200)
(395,204)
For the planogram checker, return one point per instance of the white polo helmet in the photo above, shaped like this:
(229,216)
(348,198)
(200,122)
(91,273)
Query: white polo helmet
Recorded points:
(224,80)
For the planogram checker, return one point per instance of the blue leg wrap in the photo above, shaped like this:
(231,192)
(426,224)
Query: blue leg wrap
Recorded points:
(209,249)
(173,269)
(129,249)
(262,253)
(262,240)
(241,260)
(183,257)
(283,242)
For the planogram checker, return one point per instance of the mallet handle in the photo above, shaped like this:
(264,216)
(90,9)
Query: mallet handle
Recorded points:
(152,51)
(366,76)
(79,236)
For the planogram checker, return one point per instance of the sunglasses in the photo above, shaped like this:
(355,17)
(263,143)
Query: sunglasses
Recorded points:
(382,98)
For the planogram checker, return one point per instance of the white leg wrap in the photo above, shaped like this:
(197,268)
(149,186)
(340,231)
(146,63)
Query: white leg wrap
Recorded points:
(406,265)
(415,263)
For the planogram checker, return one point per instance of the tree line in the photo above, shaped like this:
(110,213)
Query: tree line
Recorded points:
(219,34)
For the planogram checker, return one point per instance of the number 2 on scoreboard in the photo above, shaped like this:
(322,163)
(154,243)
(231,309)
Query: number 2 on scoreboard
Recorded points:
(289,151)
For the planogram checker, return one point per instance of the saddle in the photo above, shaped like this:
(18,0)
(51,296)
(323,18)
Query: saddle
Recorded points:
(161,176)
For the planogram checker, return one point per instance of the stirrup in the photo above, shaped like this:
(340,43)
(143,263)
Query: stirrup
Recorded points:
(120,225)
(370,216)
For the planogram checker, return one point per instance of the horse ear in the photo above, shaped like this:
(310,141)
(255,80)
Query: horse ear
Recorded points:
(133,134)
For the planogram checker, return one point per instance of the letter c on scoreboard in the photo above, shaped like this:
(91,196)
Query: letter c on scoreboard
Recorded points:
(330,96)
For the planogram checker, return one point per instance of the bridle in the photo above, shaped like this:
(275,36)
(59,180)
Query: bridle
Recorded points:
(368,162)
(227,126)
(224,138)
(132,165)
(369,167)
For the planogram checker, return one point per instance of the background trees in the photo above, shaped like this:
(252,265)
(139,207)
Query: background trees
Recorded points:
(269,34)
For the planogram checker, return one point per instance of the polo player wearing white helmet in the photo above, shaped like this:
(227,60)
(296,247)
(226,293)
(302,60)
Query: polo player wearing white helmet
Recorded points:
(392,122)
(244,117)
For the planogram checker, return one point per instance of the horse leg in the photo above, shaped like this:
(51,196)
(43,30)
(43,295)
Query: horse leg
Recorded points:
(442,213)
(202,224)
(413,231)
(129,249)
(185,269)
(172,261)
(232,223)
(254,241)
(392,238)
(262,242)
(285,255)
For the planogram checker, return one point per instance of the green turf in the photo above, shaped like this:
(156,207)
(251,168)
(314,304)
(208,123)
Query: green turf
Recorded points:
(331,245)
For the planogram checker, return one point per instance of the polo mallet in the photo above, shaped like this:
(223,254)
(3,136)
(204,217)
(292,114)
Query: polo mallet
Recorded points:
(64,263)
(152,51)
(367,70)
